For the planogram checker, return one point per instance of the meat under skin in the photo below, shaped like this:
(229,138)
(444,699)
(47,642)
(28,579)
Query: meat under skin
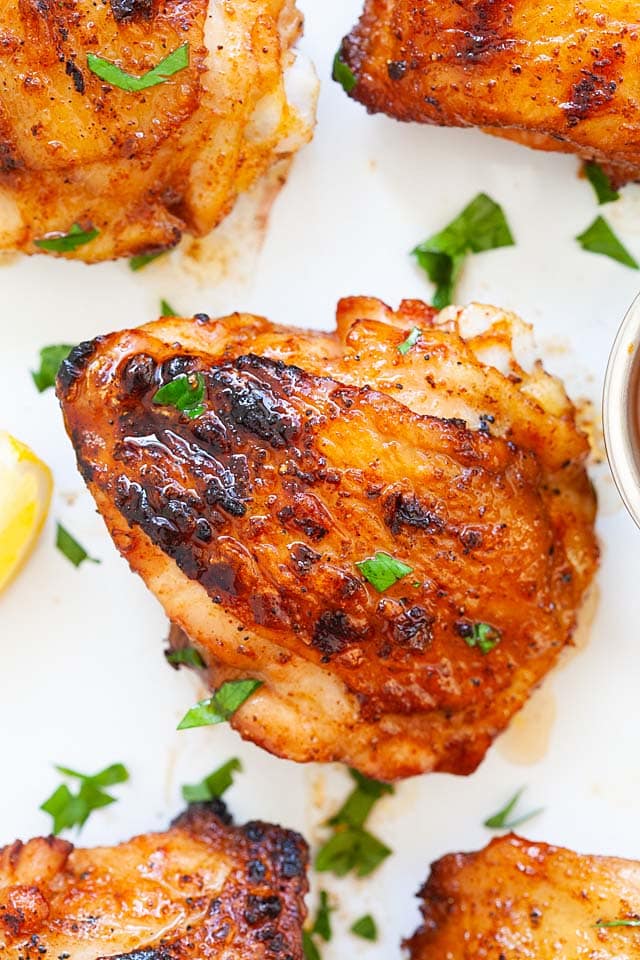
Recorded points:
(202,889)
(141,167)
(247,522)
(554,76)
(518,899)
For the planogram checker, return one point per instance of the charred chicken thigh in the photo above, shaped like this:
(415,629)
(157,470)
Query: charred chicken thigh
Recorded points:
(554,76)
(390,525)
(127,123)
(520,899)
(203,889)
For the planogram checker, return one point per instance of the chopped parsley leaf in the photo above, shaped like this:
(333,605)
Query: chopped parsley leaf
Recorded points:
(481,226)
(309,948)
(166,310)
(351,850)
(600,182)
(73,810)
(67,242)
(185,393)
(351,847)
(501,821)
(360,802)
(221,706)
(50,359)
(322,924)
(112,74)
(69,546)
(410,342)
(618,923)
(383,570)
(366,928)
(484,637)
(321,928)
(141,260)
(600,238)
(215,785)
(343,74)
(187,656)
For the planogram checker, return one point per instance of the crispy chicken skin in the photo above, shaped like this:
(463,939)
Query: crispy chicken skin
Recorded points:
(142,167)
(518,899)
(202,889)
(315,451)
(555,76)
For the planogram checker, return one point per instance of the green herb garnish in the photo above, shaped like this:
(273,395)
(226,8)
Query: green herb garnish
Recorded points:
(166,310)
(600,182)
(322,924)
(366,928)
(185,393)
(481,226)
(67,242)
(70,547)
(50,359)
(321,928)
(351,850)
(187,656)
(351,847)
(141,260)
(484,637)
(360,802)
(309,948)
(343,74)
(617,923)
(112,74)
(221,706)
(215,785)
(73,810)
(501,821)
(600,238)
(383,570)
(410,342)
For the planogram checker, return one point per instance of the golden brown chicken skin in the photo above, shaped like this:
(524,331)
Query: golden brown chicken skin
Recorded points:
(555,76)
(141,167)
(203,889)
(313,452)
(517,899)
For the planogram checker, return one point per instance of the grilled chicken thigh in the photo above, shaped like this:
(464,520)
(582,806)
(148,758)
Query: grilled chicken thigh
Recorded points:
(141,167)
(554,76)
(517,899)
(308,453)
(203,890)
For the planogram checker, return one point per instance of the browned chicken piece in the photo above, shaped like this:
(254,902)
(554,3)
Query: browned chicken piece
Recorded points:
(554,76)
(203,889)
(142,167)
(518,899)
(312,452)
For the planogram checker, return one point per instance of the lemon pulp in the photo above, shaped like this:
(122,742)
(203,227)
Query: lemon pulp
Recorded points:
(25,495)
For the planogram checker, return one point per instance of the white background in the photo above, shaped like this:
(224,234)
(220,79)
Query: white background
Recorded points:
(83,679)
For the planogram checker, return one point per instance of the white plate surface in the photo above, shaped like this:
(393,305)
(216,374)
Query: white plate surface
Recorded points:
(83,679)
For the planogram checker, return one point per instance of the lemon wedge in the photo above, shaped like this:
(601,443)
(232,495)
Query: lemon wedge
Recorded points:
(25,494)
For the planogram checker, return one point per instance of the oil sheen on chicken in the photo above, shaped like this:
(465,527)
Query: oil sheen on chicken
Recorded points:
(203,889)
(554,76)
(314,452)
(142,167)
(517,899)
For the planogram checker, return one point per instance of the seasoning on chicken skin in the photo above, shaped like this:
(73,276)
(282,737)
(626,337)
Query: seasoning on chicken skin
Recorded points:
(554,76)
(312,452)
(202,889)
(520,899)
(142,167)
